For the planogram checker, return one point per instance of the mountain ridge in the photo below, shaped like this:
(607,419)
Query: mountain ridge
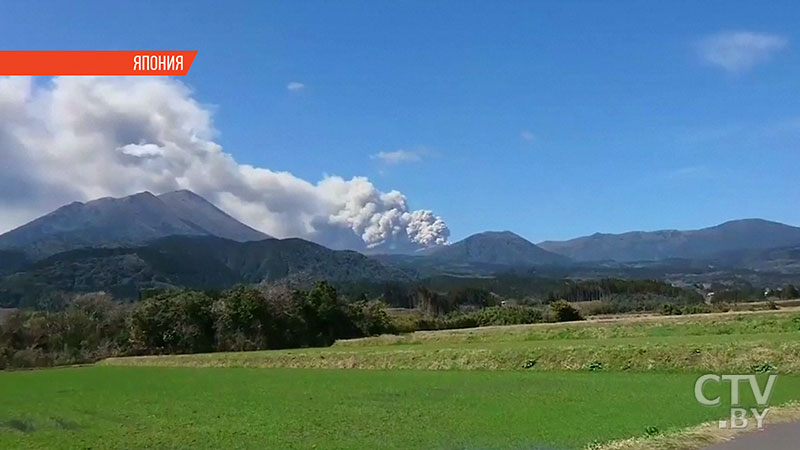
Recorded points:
(733,235)
(481,253)
(197,262)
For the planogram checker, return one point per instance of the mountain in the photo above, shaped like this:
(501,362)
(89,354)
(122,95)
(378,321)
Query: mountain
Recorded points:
(11,261)
(502,248)
(198,262)
(482,253)
(747,234)
(132,220)
(783,260)
(194,209)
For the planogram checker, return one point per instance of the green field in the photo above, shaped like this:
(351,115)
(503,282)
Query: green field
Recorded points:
(119,407)
(622,377)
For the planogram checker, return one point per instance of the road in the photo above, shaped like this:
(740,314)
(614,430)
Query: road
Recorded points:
(785,436)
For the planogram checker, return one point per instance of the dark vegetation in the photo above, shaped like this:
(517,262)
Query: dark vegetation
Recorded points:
(211,263)
(751,293)
(69,329)
(93,327)
(444,294)
(787,293)
(11,261)
(415,320)
(192,262)
(580,291)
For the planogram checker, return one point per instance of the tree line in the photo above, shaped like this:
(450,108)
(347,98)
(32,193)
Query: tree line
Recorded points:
(91,327)
(94,327)
(589,290)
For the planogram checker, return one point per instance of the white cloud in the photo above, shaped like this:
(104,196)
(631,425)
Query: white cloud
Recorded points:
(741,50)
(527,136)
(142,150)
(79,138)
(295,86)
(398,157)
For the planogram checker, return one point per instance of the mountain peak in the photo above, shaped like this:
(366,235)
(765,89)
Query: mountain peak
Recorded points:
(750,222)
(184,196)
(181,193)
(503,248)
(143,194)
(131,220)
(210,218)
(498,234)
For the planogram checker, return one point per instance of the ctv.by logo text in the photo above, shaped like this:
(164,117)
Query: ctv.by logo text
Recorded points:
(739,416)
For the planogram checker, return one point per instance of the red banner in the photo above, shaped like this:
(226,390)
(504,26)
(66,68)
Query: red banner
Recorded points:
(96,62)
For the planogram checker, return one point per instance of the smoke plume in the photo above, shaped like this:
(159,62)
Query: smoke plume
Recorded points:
(80,138)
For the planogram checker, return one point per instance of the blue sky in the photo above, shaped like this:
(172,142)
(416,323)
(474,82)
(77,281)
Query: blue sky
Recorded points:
(552,119)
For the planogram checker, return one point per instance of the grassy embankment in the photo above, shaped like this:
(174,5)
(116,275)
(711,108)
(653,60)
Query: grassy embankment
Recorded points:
(734,342)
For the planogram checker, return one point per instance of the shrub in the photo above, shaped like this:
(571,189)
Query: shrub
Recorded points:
(565,312)
(494,315)
(697,309)
(508,315)
(368,318)
(404,323)
(652,431)
(595,366)
(771,305)
(91,327)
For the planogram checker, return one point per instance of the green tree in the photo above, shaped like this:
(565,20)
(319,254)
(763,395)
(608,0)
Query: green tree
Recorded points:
(242,320)
(368,318)
(174,322)
(325,319)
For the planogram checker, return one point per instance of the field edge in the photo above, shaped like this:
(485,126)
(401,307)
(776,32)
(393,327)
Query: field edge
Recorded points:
(699,436)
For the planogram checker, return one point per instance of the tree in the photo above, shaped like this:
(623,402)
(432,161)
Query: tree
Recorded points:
(790,292)
(175,322)
(367,318)
(242,320)
(326,320)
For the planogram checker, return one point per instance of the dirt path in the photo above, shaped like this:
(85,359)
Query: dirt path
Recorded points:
(784,436)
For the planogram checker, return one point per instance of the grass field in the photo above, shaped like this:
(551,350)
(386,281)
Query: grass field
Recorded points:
(643,374)
(131,407)
(729,342)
